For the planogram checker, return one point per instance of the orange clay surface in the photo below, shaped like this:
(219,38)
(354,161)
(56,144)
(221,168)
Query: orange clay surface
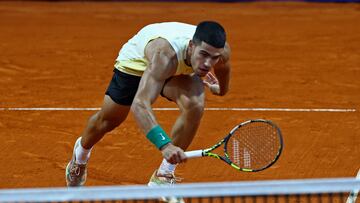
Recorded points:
(284,55)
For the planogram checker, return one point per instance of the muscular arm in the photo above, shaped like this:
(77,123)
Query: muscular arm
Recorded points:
(222,71)
(162,64)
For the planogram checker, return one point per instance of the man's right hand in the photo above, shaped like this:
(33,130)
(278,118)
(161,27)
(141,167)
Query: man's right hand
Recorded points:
(173,154)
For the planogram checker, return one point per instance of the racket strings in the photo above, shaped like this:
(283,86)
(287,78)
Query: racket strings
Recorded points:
(254,145)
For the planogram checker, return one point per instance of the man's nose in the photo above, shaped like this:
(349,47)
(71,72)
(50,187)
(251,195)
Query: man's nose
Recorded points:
(208,63)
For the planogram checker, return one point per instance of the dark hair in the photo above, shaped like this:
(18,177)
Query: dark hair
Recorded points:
(210,32)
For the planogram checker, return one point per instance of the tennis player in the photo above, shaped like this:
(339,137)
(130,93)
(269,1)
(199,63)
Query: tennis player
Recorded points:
(170,59)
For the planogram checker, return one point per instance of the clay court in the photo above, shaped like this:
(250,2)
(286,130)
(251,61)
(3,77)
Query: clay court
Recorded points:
(284,55)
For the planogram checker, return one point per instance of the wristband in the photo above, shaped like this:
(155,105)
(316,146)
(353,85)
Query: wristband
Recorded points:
(158,137)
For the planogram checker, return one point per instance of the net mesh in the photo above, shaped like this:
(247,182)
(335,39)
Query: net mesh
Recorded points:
(310,190)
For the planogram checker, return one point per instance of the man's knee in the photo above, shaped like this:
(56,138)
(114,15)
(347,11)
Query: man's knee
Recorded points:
(194,107)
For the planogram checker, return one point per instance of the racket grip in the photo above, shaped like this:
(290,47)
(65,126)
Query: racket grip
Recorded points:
(193,154)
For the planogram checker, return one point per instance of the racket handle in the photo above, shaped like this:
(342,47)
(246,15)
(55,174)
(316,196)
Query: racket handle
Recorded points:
(193,154)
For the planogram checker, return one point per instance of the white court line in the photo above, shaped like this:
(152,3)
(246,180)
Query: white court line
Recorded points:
(175,109)
(266,109)
(353,194)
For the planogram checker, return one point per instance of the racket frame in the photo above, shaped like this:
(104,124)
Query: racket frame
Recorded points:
(208,151)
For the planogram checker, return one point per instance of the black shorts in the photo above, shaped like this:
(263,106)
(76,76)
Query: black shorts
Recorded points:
(123,87)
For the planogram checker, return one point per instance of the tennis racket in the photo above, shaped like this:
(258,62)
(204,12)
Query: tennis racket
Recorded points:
(251,146)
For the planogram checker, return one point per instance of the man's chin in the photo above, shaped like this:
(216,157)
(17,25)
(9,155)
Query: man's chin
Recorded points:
(201,74)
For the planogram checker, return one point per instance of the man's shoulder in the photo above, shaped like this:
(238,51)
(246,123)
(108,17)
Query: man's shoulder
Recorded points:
(226,53)
(160,45)
(160,42)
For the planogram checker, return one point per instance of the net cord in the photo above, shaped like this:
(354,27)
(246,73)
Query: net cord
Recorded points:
(214,189)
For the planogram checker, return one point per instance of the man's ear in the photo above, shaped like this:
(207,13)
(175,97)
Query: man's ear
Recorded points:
(191,46)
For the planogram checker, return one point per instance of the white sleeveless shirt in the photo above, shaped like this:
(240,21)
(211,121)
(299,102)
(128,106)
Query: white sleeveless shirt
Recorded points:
(131,59)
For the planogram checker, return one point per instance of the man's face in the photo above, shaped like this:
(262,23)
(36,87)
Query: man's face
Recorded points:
(204,57)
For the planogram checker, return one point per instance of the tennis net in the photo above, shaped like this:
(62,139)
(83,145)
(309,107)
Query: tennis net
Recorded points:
(305,190)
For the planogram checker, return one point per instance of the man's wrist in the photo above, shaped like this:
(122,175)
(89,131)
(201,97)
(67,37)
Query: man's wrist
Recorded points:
(215,89)
(164,146)
(158,137)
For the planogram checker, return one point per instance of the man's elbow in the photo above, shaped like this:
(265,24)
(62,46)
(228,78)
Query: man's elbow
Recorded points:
(137,105)
(223,92)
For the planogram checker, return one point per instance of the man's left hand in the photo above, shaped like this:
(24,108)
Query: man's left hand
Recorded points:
(212,83)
